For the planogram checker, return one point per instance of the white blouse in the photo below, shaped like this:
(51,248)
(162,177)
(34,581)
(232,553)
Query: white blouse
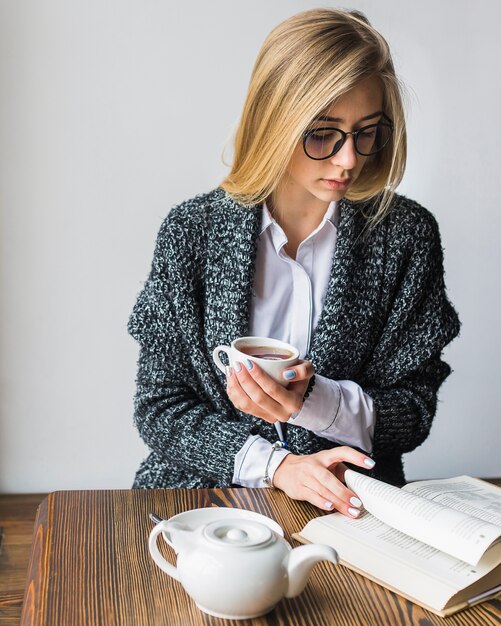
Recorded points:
(287,300)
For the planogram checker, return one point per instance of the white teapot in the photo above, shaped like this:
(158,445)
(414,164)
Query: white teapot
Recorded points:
(236,568)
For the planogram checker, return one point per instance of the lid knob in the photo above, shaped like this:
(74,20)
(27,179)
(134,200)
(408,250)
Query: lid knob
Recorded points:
(236,534)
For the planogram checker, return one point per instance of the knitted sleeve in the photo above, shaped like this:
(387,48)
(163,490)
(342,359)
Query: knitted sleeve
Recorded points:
(406,369)
(175,416)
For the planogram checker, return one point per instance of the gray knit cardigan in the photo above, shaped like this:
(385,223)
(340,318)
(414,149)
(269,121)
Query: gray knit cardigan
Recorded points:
(384,324)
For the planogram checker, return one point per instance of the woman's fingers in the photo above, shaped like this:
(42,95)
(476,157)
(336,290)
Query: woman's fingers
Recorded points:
(299,377)
(319,500)
(331,489)
(291,402)
(345,453)
(313,478)
(339,470)
(334,492)
(301,371)
(328,502)
(265,392)
(241,400)
(333,461)
(253,391)
(252,401)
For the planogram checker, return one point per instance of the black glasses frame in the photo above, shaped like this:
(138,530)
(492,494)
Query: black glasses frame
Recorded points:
(385,121)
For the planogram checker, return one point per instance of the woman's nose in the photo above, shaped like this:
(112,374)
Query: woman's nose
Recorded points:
(347,156)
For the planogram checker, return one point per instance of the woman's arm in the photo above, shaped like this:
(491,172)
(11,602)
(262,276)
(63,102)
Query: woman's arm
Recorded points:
(317,477)
(339,411)
(405,411)
(406,369)
(181,410)
(252,460)
(182,427)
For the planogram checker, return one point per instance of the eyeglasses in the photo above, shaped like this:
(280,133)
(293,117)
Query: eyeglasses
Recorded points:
(322,143)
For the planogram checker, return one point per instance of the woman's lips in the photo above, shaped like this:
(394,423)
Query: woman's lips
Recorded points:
(337,184)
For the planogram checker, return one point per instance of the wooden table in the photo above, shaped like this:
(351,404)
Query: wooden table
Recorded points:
(90,566)
(17,516)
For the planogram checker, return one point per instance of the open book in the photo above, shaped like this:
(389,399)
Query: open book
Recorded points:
(435,542)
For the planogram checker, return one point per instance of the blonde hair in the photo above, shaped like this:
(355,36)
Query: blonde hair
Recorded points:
(305,64)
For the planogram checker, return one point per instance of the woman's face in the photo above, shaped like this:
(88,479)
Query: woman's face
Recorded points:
(306,178)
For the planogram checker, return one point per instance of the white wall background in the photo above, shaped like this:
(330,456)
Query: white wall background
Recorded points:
(112,111)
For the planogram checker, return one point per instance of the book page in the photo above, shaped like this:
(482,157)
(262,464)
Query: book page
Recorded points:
(462,493)
(449,530)
(394,558)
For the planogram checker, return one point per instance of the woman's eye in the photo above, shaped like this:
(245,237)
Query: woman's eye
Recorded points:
(323,136)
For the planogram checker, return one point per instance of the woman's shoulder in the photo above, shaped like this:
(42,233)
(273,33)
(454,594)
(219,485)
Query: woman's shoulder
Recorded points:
(187,221)
(409,217)
(406,225)
(410,230)
(207,216)
(407,229)
(214,208)
(195,210)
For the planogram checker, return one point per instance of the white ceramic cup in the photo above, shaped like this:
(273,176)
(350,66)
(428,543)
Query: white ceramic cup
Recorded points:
(272,365)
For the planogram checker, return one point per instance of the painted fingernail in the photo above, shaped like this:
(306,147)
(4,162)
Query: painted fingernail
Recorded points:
(356,502)
(248,364)
(229,371)
(328,505)
(370,463)
(290,374)
(237,366)
(354,512)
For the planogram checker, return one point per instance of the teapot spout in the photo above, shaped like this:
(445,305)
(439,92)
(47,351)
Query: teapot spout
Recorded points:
(301,562)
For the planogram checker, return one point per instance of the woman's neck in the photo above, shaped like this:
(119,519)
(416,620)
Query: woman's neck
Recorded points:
(298,217)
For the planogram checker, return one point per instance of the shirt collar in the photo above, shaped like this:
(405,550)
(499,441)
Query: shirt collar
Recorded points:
(331,216)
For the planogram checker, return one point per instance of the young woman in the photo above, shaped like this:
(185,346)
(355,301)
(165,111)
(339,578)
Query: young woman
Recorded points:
(304,241)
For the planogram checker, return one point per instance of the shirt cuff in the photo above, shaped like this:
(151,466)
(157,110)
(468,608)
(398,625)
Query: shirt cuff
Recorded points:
(251,459)
(339,411)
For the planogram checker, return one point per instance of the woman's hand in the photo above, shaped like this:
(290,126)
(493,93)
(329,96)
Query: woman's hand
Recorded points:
(317,478)
(254,392)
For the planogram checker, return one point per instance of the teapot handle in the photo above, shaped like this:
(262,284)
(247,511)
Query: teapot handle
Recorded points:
(164,565)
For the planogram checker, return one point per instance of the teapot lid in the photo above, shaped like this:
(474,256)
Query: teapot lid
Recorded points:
(238,533)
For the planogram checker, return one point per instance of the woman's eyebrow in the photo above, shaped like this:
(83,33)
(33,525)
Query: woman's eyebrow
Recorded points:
(326,118)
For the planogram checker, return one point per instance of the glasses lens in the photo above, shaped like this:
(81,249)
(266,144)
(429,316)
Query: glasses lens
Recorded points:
(372,139)
(322,142)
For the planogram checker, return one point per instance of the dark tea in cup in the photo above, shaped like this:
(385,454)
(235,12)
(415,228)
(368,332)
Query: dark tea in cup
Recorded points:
(266,352)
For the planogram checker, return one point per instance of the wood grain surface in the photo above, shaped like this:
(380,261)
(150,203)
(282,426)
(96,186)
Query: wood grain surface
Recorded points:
(17,516)
(90,566)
